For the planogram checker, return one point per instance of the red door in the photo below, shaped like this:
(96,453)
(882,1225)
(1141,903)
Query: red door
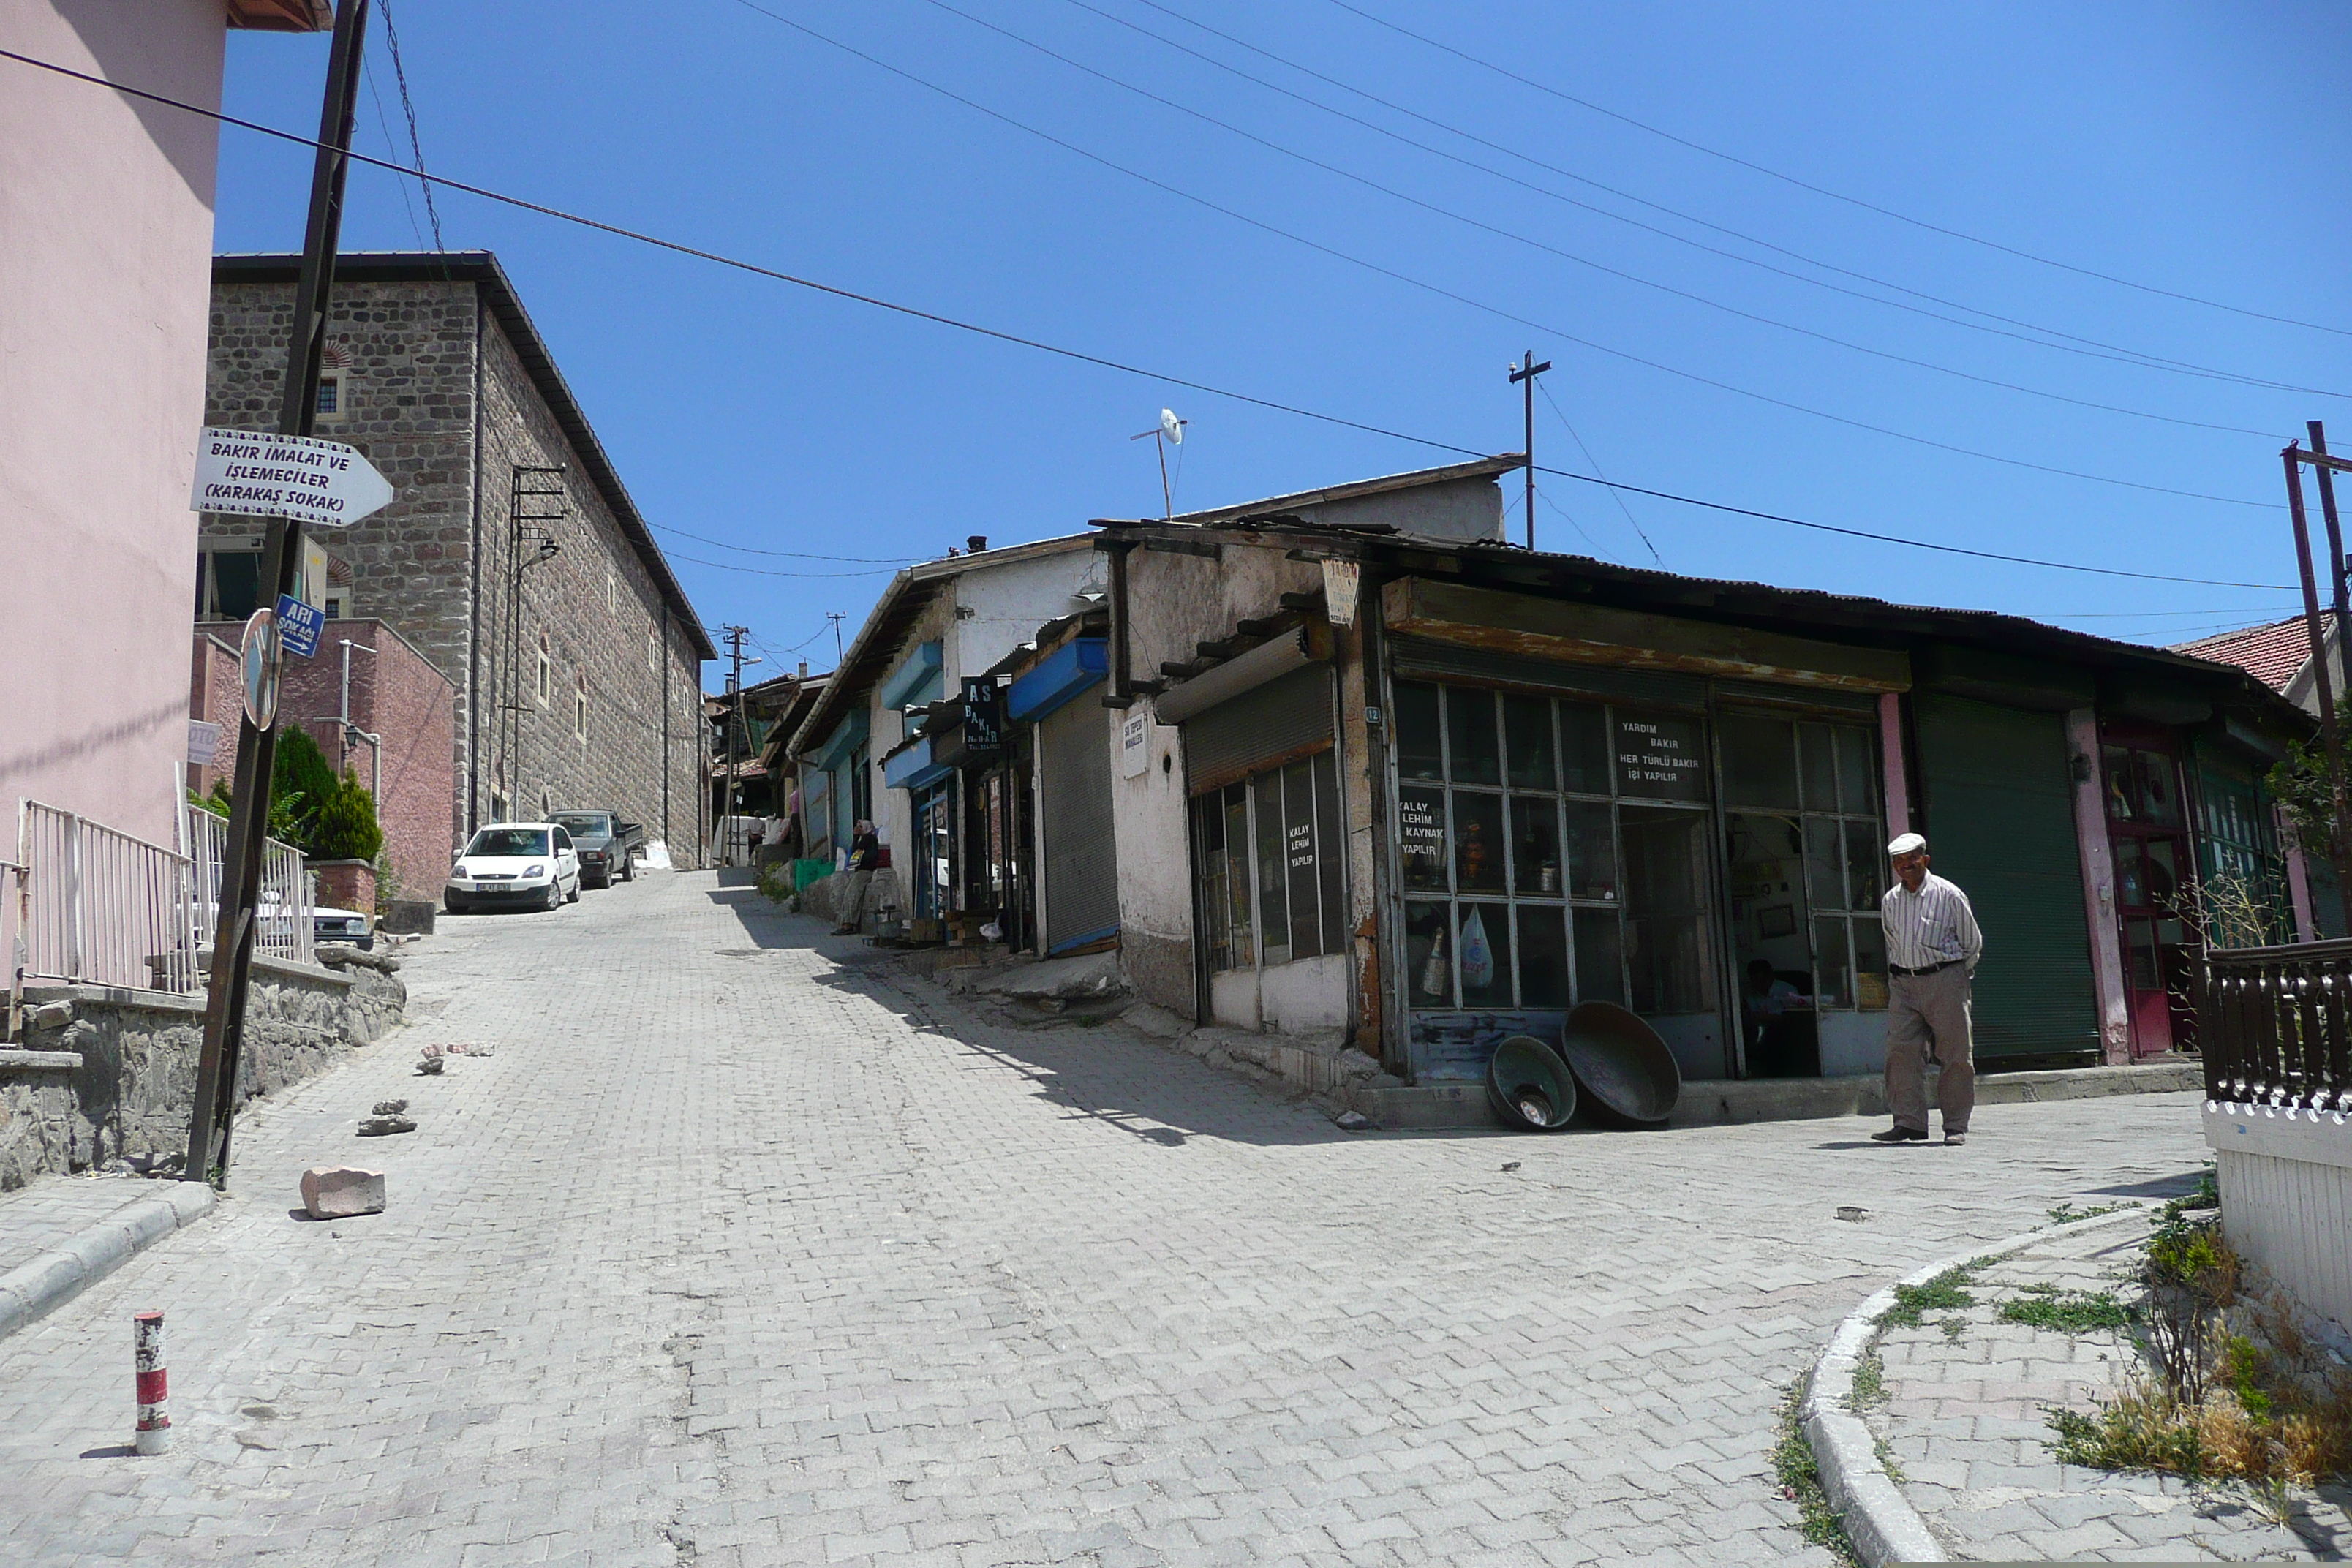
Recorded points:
(2148,832)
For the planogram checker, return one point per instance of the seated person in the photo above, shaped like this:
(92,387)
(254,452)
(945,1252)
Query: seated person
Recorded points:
(1767,997)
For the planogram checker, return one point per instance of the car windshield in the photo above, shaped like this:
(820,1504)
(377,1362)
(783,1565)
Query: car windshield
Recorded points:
(583,824)
(509,841)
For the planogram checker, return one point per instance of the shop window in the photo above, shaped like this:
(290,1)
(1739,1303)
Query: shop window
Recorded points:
(228,584)
(2141,787)
(1271,880)
(2244,876)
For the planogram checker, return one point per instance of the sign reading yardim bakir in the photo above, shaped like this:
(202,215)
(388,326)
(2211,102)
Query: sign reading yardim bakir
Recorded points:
(324,484)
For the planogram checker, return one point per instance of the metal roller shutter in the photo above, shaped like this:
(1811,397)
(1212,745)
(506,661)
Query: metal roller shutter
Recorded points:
(1278,722)
(1081,858)
(2000,823)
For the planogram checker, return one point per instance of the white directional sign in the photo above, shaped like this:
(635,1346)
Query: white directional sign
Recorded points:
(323,484)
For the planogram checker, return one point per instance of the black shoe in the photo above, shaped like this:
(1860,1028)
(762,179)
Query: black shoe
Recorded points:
(1899,1135)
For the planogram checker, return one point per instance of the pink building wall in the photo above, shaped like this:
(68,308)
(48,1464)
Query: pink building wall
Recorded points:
(106,235)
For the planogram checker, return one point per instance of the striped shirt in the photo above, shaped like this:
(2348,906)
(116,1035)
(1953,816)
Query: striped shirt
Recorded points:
(1932,926)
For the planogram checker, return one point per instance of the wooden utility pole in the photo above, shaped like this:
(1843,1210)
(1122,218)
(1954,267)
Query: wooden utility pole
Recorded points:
(2330,731)
(1523,375)
(234,931)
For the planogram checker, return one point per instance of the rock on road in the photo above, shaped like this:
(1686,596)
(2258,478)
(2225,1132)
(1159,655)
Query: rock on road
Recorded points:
(738,1251)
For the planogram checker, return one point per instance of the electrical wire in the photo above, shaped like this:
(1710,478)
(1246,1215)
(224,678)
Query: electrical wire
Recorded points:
(766,572)
(384,121)
(1102,361)
(1562,416)
(2091,348)
(1481,225)
(1476,304)
(408,107)
(1832,194)
(794,554)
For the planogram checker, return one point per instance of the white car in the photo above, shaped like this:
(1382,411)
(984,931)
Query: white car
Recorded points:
(527,864)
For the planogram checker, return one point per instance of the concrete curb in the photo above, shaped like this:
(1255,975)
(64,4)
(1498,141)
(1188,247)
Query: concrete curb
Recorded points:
(57,1275)
(1879,1519)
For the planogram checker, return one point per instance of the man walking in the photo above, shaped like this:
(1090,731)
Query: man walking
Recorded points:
(1932,948)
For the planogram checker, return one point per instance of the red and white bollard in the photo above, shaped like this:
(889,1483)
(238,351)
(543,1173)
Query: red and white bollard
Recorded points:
(155,1434)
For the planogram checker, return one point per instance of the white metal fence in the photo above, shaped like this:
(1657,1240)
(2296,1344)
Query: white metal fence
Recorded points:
(90,905)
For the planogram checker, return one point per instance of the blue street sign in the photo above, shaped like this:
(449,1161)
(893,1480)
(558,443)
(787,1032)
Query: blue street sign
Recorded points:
(299,626)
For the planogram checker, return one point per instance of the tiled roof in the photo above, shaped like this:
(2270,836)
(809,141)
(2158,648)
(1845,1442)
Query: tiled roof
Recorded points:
(2271,654)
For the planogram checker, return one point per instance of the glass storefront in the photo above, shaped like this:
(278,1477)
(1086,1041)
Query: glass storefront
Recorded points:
(1553,851)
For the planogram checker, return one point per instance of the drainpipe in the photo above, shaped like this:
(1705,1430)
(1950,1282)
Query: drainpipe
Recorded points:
(375,742)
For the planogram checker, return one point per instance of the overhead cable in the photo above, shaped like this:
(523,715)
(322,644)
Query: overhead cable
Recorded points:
(1080,356)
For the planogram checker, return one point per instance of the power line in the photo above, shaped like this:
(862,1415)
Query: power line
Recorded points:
(795,554)
(408,107)
(1825,191)
(385,122)
(1443,292)
(1081,357)
(2091,348)
(1562,416)
(765,571)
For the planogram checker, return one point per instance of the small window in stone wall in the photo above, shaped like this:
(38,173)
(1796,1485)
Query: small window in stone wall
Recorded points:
(546,672)
(580,706)
(332,406)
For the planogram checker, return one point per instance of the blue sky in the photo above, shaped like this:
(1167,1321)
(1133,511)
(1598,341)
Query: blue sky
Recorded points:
(2187,148)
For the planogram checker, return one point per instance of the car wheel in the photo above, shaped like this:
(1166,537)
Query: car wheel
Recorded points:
(628,870)
(573,896)
(554,896)
(455,906)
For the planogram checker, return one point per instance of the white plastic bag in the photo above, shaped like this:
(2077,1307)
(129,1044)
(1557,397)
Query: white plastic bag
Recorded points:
(1477,957)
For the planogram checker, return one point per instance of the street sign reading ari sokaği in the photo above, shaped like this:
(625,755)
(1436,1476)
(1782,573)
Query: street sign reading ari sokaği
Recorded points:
(323,484)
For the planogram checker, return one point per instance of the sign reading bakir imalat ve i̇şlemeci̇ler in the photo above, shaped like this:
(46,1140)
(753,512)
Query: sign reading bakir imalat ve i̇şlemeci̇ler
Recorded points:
(323,483)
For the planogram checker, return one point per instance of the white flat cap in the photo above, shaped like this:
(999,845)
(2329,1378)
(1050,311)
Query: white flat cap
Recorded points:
(1906,843)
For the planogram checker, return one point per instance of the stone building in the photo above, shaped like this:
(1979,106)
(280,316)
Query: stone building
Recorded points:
(513,558)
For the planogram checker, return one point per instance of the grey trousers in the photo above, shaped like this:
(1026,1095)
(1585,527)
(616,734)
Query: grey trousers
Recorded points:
(1927,1020)
(852,896)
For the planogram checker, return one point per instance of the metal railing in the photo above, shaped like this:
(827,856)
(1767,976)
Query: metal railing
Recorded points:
(289,893)
(99,906)
(94,905)
(11,946)
(2275,1025)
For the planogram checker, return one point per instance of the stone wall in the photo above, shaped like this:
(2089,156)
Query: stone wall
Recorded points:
(131,1097)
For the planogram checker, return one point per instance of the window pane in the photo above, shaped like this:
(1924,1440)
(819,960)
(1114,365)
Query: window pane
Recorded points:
(1584,748)
(1821,768)
(1856,767)
(1760,761)
(1660,756)
(1535,846)
(1591,851)
(1832,968)
(2157,788)
(1485,956)
(1477,842)
(1824,887)
(2131,874)
(1273,887)
(1543,956)
(1238,875)
(1422,838)
(1527,733)
(1599,957)
(1869,964)
(1419,754)
(1331,841)
(1428,955)
(1864,856)
(2123,784)
(2140,955)
(236,584)
(2163,873)
(1470,739)
(1299,850)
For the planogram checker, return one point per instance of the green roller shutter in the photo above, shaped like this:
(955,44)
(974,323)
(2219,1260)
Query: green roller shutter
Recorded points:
(1999,794)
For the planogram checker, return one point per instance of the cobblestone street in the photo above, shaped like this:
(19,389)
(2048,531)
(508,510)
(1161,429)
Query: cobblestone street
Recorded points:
(740,1249)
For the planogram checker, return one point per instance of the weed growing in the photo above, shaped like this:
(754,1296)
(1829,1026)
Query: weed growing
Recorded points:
(1869,1381)
(2073,1312)
(2064,1214)
(1801,1483)
(1946,1291)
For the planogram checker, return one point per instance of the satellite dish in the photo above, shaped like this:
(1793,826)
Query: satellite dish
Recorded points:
(1171,426)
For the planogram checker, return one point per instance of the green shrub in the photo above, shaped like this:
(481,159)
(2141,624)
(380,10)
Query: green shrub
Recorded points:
(344,827)
(302,784)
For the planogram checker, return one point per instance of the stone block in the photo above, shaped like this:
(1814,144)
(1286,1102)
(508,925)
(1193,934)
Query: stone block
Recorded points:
(340,1192)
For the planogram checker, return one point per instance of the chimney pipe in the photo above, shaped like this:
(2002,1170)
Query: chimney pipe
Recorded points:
(977,543)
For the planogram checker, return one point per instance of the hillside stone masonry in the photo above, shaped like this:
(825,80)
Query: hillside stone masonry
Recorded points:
(585,690)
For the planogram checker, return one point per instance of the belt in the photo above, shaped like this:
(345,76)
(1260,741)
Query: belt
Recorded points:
(1898,968)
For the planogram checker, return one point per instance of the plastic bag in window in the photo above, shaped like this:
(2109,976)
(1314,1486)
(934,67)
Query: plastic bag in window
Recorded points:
(1477,957)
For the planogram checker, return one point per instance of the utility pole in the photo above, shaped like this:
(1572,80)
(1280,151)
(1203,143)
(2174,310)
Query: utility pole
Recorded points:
(210,1115)
(835,617)
(2327,477)
(2331,733)
(1523,375)
(735,636)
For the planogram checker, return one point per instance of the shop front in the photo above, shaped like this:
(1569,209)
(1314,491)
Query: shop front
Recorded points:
(1708,851)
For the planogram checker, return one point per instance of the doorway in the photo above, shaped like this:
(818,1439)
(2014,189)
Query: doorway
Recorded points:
(2148,830)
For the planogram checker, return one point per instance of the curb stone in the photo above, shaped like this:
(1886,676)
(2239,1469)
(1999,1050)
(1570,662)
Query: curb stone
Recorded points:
(58,1275)
(1879,1519)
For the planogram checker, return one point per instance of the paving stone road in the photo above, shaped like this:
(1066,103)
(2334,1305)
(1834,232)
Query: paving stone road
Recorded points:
(738,1251)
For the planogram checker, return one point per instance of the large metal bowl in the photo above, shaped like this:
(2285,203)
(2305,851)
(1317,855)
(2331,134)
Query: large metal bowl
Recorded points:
(1625,1071)
(1529,1086)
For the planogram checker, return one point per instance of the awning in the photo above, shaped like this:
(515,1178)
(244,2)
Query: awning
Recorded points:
(1059,677)
(846,735)
(912,766)
(1269,661)
(916,680)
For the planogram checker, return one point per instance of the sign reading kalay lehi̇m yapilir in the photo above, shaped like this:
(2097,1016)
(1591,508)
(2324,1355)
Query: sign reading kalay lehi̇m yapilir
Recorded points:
(323,484)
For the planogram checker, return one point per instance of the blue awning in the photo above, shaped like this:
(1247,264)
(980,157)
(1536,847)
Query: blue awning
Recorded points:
(911,767)
(835,749)
(1062,675)
(916,679)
